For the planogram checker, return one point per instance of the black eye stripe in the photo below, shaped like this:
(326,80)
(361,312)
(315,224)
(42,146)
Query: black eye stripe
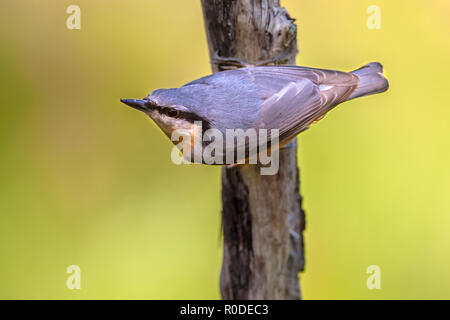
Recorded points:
(173,113)
(188,116)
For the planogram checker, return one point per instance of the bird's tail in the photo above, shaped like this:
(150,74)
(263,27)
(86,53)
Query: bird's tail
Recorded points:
(371,80)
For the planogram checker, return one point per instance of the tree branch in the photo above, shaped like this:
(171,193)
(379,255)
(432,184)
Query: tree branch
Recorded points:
(262,217)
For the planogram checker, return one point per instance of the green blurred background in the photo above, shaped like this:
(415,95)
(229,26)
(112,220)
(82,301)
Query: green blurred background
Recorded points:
(86,181)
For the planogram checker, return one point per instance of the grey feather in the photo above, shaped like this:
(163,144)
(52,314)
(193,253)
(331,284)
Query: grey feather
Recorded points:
(288,98)
(371,80)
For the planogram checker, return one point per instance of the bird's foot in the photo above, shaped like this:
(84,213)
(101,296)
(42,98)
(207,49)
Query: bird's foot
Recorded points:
(292,144)
(230,63)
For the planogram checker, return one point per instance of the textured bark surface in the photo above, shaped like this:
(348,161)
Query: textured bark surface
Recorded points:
(262,216)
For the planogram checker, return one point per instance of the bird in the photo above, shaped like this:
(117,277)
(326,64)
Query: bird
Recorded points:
(286,98)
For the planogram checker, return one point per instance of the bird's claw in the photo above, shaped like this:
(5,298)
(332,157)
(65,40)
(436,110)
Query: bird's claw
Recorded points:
(230,63)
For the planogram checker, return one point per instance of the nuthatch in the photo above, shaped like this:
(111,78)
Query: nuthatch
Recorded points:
(283,97)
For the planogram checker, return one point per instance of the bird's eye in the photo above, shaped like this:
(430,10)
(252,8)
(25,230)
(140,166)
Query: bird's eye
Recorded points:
(173,113)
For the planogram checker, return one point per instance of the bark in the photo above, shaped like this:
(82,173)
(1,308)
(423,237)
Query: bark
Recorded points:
(262,216)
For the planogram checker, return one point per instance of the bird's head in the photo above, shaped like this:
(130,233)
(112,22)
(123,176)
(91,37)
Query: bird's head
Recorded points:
(168,116)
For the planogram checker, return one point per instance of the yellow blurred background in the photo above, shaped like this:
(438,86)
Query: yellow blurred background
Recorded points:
(89,182)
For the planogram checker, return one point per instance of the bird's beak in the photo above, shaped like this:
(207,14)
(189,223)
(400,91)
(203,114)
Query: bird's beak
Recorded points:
(137,104)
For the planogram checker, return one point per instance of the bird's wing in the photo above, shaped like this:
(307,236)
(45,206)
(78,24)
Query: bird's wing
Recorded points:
(294,97)
(318,76)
